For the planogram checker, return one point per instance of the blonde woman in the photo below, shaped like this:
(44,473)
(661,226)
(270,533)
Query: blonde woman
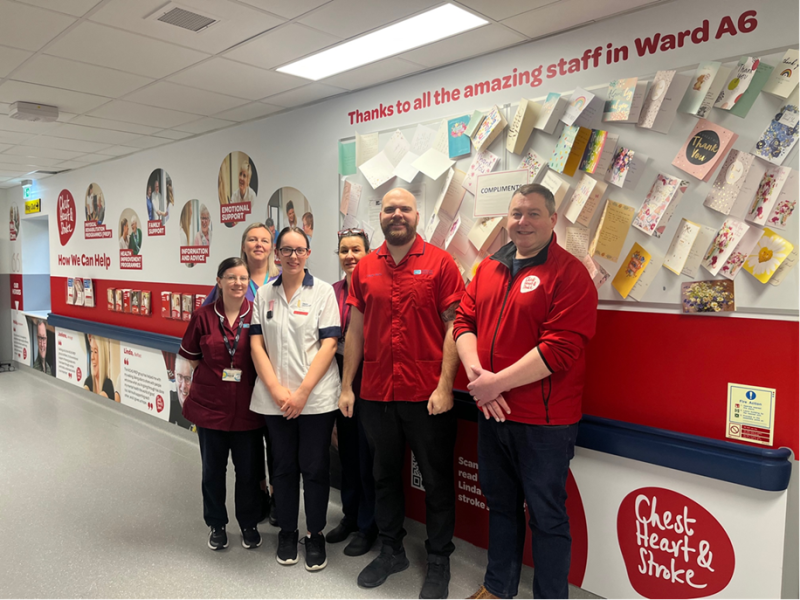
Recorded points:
(186,223)
(203,237)
(98,380)
(244,193)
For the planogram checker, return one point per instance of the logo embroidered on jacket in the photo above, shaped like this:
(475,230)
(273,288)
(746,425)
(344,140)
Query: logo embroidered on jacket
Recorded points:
(530,283)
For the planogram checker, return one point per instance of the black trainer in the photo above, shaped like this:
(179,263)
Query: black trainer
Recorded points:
(385,564)
(287,547)
(217,538)
(341,532)
(316,560)
(437,580)
(251,538)
(360,544)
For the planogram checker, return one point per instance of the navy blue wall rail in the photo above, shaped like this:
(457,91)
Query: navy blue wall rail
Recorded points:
(168,343)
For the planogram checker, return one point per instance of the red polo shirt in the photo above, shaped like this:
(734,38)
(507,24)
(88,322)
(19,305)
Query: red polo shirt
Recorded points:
(213,403)
(403,328)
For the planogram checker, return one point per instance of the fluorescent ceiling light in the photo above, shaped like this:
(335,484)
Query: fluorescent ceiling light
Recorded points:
(429,27)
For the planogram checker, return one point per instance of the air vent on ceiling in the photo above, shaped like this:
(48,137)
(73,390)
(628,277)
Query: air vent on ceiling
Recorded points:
(180,16)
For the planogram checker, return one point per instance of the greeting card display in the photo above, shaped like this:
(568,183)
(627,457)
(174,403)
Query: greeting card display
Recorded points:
(631,270)
(704,149)
(699,85)
(594,150)
(607,155)
(585,200)
(552,110)
(582,109)
(741,251)
(746,101)
(736,184)
(612,231)
(783,80)
(458,143)
(475,121)
(661,104)
(713,92)
(707,296)
(522,125)
(786,203)
(780,136)
(598,274)
(626,168)
(556,185)
(660,203)
(536,166)
(736,84)
(731,232)
(569,149)
(681,246)
(492,125)
(769,190)
(482,163)
(625,99)
(701,243)
(768,254)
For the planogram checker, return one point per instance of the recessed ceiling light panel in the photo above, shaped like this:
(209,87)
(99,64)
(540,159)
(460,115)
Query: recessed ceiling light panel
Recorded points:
(423,29)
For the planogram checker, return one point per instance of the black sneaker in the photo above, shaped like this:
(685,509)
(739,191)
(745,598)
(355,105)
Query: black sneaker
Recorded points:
(341,532)
(251,538)
(315,552)
(217,538)
(438,578)
(287,547)
(360,544)
(386,563)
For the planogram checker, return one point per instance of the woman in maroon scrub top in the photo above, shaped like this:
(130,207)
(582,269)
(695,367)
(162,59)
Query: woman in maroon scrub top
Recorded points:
(217,343)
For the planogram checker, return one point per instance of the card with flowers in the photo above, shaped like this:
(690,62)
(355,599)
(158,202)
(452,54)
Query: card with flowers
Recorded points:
(767,255)
(596,271)
(648,276)
(458,142)
(730,233)
(625,99)
(708,296)
(631,270)
(626,168)
(740,253)
(736,184)
(490,128)
(767,194)
(780,136)
(660,203)
(482,163)
(784,206)
(536,166)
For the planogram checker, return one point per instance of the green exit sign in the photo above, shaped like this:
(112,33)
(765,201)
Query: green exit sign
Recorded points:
(27,193)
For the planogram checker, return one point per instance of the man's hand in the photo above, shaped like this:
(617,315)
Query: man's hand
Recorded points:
(347,400)
(485,388)
(440,401)
(292,408)
(494,409)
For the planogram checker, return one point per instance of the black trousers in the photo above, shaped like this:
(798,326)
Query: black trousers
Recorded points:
(262,473)
(246,450)
(432,439)
(300,446)
(356,456)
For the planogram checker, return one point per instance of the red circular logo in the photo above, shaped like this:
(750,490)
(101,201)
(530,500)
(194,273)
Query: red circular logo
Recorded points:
(78,373)
(159,403)
(66,217)
(25,353)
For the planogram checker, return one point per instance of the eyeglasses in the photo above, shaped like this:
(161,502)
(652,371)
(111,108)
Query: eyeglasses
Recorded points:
(351,231)
(287,252)
(234,278)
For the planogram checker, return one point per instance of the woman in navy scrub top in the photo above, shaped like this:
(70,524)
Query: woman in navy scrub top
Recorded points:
(217,343)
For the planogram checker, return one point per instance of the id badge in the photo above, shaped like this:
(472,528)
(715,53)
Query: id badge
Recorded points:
(234,375)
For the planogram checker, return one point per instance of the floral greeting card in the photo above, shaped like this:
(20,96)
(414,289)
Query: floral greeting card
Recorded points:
(769,189)
(707,297)
(598,274)
(784,206)
(659,204)
(780,136)
(730,233)
(740,253)
(704,149)
(536,166)
(458,143)
(626,168)
(625,99)
(490,128)
(482,163)
(736,184)
(631,270)
(767,255)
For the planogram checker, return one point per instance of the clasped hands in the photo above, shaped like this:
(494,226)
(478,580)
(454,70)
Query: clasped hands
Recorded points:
(290,403)
(487,391)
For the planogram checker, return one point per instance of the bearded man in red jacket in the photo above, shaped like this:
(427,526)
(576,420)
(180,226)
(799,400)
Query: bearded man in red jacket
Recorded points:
(521,332)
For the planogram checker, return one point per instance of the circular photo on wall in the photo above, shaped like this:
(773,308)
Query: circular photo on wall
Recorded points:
(130,231)
(13,221)
(196,232)
(238,188)
(289,207)
(160,200)
(95,204)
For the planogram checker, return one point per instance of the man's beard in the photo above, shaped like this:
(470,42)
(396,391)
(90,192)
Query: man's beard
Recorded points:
(398,238)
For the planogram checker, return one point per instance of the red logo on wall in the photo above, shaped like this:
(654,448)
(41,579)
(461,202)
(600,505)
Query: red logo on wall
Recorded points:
(672,546)
(78,373)
(66,216)
(25,353)
(159,403)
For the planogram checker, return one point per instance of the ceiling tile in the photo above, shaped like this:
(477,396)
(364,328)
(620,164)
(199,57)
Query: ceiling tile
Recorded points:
(99,45)
(472,43)
(249,111)
(178,97)
(10,59)
(171,134)
(46,141)
(80,77)
(4,147)
(503,9)
(5,175)
(309,93)
(72,164)
(567,14)
(28,27)
(377,72)
(94,158)
(66,100)
(238,22)
(17,168)
(76,8)
(236,79)
(204,125)
(114,125)
(9,137)
(119,110)
(65,117)
(118,151)
(4,108)
(92,134)
(149,142)
(43,152)
(282,45)
(288,10)
(39,162)
(347,18)
(9,124)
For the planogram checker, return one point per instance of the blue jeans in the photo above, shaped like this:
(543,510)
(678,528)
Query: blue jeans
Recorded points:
(519,462)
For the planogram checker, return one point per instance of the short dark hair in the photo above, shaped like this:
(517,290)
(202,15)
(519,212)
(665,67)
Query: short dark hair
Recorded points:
(538,188)
(308,219)
(270,222)
(358,234)
(286,230)
(289,206)
(230,263)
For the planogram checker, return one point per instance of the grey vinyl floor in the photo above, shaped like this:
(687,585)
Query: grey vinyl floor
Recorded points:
(99,501)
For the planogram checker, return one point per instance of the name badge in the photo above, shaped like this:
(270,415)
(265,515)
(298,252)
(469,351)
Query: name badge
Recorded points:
(234,375)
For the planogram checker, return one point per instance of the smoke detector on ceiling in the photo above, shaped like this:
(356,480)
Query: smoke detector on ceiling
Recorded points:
(186,18)
(28,111)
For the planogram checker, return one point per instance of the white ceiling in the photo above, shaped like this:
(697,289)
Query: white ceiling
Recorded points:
(124,83)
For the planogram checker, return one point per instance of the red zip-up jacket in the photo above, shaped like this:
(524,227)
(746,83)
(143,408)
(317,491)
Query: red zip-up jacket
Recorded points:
(550,305)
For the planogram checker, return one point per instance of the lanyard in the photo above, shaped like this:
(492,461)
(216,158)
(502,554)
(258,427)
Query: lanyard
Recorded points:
(231,350)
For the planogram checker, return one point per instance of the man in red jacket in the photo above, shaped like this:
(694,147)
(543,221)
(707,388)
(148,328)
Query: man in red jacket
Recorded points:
(521,332)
